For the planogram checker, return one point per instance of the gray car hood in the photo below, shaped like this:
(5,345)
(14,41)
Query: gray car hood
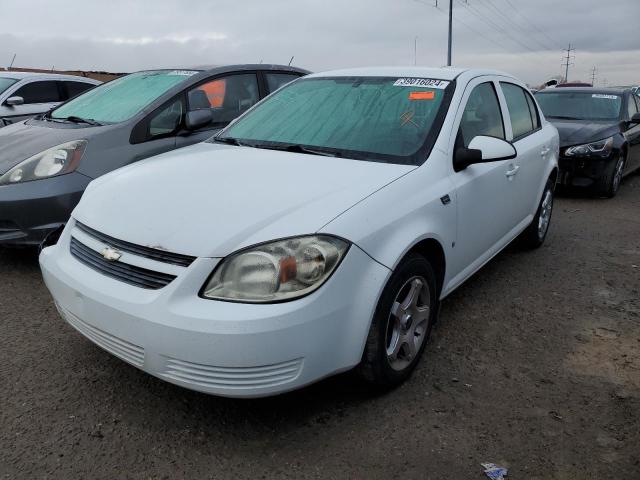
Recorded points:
(21,140)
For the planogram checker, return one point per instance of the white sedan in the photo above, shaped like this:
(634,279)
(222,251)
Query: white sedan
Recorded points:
(317,233)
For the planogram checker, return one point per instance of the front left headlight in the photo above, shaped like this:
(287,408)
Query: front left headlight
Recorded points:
(601,147)
(54,161)
(276,271)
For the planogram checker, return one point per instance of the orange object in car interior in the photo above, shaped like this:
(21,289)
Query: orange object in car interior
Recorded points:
(428,95)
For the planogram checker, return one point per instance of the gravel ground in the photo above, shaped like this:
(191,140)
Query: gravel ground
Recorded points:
(535,365)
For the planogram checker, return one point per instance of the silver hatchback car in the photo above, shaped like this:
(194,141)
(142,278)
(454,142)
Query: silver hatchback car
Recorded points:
(24,94)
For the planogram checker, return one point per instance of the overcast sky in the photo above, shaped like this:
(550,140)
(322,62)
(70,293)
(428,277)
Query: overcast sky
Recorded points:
(523,37)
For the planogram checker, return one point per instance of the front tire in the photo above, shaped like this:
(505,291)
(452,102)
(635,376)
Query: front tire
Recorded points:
(401,325)
(536,232)
(611,183)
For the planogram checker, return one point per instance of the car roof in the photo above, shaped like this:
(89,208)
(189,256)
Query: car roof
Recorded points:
(441,73)
(610,91)
(55,76)
(208,70)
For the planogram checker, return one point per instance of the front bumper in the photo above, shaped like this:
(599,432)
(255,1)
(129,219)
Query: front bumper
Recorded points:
(583,171)
(222,348)
(30,211)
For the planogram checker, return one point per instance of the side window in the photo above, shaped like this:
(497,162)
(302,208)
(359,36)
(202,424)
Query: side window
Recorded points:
(533,110)
(167,120)
(76,88)
(482,115)
(227,97)
(277,80)
(631,107)
(39,92)
(519,110)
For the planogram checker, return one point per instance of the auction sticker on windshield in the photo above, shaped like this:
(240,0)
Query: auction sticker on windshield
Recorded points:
(187,73)
(421,83)
(601,95)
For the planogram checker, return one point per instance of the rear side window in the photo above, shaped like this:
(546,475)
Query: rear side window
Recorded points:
(535,116)
(482,115)
(519,106)
(39,92)
(277,80)
(76,88)
(227,97)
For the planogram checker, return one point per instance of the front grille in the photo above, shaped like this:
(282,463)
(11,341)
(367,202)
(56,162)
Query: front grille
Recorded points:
(147,252)
(140,277)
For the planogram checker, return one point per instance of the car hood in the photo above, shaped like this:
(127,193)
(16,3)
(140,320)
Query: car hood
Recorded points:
(209,200)
(21,140)
(576,132)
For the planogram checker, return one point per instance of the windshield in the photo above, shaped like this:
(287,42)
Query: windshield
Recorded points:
(393,120)
(121,99)
(6,83)
(580,105)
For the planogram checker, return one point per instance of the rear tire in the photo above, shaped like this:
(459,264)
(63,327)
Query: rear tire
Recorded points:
(401,325)
(536,232)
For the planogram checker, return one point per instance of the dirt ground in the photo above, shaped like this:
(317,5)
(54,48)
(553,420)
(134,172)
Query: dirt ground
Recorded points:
(535,365)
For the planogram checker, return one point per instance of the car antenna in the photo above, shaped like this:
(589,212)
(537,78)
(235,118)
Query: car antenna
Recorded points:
(292,57)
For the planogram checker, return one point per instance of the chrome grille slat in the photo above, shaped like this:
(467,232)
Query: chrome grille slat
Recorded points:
(137,276)
(146,252)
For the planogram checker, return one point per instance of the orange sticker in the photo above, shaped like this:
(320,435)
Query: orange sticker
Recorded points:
(428,95)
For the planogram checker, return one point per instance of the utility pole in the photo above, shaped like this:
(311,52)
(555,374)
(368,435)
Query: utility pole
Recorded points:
(450,32)
(567,62)
(415,50)
(593,76)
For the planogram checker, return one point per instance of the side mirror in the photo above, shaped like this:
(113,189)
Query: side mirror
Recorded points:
(13,101)
(196,119)
(635,118)
(483,149)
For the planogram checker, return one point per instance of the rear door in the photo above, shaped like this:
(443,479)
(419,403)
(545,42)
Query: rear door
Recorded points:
(487,196)
(533,144)
(39,96)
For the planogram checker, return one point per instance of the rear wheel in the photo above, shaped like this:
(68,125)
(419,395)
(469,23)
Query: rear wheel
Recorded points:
(536,232)
(401,325)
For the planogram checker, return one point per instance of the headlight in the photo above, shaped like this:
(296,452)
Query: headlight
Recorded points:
(276,271)
(601,147)
(54,161)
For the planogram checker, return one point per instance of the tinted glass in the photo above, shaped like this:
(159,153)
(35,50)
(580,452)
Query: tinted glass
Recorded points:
(76,88)
(518,106)
(632,109)
(374,118)
(277,80)
(579,105)
(227,97)
(167,120)
(535,118)
(6,83)
(482,115)
(39,92)
(123,98)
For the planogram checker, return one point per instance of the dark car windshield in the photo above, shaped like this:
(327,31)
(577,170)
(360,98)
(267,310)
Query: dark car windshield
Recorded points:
(580,105)
(385,119)
(6,83)
(121,99)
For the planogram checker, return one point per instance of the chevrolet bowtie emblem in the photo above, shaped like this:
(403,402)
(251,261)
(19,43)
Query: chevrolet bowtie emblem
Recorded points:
(111,254)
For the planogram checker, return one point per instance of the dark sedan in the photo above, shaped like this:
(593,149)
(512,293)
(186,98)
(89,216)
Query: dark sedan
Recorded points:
(599,135)
(47,162)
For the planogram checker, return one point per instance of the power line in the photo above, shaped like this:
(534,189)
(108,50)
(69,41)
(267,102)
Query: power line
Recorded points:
(533,25)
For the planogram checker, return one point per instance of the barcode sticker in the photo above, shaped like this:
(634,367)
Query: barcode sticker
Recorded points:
(421,83)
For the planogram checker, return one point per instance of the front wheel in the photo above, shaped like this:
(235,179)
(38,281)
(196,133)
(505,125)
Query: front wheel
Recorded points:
(536,232)
(401,324)
(611,183)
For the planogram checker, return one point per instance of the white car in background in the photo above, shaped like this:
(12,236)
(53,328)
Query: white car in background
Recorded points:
(24,94)
(315,234)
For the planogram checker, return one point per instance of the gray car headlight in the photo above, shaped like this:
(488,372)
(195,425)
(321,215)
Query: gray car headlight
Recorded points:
(601,147)
(54,161)
(276,271)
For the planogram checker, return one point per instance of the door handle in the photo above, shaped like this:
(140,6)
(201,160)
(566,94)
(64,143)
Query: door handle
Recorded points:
(513,171)
(544,151)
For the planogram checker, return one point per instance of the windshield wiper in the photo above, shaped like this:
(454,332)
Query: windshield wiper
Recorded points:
(296,148)
(563,117)
(229,141)
(74,119)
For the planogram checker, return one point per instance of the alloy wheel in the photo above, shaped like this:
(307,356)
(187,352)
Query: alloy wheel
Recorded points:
(545,213)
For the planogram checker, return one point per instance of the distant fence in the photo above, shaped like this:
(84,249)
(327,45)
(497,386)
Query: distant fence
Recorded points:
(102,76)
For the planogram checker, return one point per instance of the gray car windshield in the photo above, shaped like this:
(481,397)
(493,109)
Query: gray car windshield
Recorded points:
(6,83)
(580,105)
(394,120)
(121,99)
